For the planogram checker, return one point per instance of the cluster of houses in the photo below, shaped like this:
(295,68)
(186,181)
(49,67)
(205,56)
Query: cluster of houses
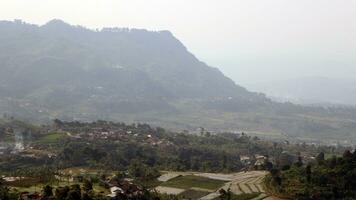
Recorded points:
(114,134)
(117,188)
(124,187)
(254,160)
(258,161)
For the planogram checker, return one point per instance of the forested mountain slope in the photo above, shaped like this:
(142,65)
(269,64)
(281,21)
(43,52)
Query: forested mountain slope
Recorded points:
(73,73)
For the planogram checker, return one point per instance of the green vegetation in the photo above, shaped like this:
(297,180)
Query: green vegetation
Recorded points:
(106,153)
(157,81)
(192,194)
(334,178)
(51,138)
(245,196)
(189,181)
(117,146)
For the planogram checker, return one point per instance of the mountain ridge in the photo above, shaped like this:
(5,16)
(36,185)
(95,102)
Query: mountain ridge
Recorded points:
(69,72)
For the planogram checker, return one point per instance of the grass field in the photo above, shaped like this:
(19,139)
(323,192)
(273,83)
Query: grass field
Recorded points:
(192,194)
(191,181)
(52,137)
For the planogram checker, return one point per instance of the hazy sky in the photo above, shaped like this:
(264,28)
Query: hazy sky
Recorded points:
(249,40)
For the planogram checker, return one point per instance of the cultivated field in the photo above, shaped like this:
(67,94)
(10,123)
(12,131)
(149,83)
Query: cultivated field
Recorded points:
(194,182)
(207,185)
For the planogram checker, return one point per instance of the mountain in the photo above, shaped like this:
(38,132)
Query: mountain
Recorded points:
(73,73)
(59,66)
(311,90)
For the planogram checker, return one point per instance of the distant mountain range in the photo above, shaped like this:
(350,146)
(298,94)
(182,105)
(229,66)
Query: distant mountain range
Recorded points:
(73,73)
(311,90)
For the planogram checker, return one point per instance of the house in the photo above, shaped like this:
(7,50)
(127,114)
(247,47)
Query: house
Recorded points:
(114,191)
(124,187)
(246,160)
(260,160)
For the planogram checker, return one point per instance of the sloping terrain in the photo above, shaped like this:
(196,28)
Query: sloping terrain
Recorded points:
(65,71)
(73,73)
(241,183)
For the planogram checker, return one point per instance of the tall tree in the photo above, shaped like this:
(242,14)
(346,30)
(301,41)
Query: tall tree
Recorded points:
(87,185)
(47,192)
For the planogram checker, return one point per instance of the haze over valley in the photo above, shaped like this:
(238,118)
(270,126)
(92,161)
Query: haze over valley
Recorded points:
(318,91)
(177,100)
(69,72)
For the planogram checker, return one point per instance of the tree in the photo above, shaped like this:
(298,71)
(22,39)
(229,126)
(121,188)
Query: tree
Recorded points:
(87,185)
(320,158)
(299,162)
(308,173)
(119,176)
(86,196)
(275,176)
(74,193)
(151,173)
(285,160)
(223,194)
(61,193)
(136,169)
(57,123)
(268,165)
(278,180)
(207,134)
(347,154)
(75,188)
(274,172)
(333,162)
(47,192)
(4,193)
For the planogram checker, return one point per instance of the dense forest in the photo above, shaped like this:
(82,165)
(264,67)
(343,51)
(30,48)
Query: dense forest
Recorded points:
(333,178)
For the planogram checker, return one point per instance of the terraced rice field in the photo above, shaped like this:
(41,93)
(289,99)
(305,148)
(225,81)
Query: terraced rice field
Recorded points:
(247,182)
(239,183)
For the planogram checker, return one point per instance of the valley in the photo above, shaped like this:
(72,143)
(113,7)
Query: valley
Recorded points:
(72,73)
(132,114)
(139,160)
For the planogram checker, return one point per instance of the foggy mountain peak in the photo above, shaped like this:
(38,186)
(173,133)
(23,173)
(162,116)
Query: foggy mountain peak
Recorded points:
(56,23)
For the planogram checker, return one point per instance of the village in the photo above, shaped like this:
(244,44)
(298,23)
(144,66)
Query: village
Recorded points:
(75,153)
